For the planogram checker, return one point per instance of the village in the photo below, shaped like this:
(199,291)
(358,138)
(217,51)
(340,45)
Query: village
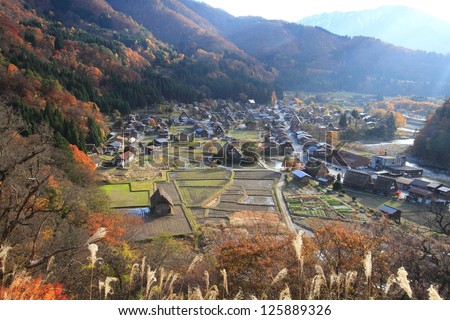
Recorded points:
(181,166)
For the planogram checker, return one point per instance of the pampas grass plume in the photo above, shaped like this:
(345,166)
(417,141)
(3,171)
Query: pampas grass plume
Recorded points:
(98,235)
(433,294)
(198,258)
(368,264)
(93,248)
(4,249)
(108,286)
(280,276)
(223,272)
(285,294)
(403,282)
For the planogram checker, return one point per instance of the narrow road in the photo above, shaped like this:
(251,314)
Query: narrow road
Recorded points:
(282,206)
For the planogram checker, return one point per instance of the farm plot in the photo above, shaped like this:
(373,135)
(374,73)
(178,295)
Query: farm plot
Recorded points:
(255,184)
(232,206)
(122,196)
(309,207)
(259,200)
(219,213)
(148,186)
(175,224)
(204,174)
(259,192)
(194,196)
(198,212)
(338,206)
(232,197)
(256,175)
(202,183)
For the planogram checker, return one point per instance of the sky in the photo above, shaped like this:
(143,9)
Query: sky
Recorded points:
(294,10)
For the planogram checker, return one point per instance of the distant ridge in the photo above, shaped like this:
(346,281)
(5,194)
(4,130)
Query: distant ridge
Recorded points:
(399,25)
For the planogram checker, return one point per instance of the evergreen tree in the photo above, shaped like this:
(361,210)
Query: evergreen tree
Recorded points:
(343,121)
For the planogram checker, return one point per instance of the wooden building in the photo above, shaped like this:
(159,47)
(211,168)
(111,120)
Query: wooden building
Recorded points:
(358,180)
(161,203)
(391,213)
(419,195)
(385,186)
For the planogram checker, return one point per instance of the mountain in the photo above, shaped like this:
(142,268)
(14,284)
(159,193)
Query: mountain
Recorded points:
(88,57)
(432,143)
(400,25)
(304,58)
(83,57)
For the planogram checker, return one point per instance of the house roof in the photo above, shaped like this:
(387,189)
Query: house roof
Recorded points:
(356,178)
(353,159)
(300,174)
(384,183)
(161,194)
(162,140)
(388,209)
(115,144)
(126,155)
(404,181)
(420,192)
(434,185)
(444,189)
(420,183)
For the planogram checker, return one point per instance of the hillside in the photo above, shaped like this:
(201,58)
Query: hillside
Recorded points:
(432,144)
(306,58)
(402,26)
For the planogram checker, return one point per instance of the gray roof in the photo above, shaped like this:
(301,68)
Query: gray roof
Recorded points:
(420,183)
(387,209)
(420,192)
(434,185)
(300,174)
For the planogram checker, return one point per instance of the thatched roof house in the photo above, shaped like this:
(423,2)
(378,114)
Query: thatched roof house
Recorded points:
(385,186)
(357,179)
(161,202)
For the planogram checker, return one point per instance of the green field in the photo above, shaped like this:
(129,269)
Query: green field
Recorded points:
(298,208)
(338,205)
(142,186)
(122,197)
(244,134)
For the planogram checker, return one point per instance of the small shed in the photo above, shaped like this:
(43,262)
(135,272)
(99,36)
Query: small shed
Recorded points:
(301,177)
(391,213)
(161,202)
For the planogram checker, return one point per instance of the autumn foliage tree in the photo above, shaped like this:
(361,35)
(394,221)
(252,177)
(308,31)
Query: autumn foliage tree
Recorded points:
(24,287)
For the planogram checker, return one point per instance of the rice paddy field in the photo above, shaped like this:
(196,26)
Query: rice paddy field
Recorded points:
(201,196)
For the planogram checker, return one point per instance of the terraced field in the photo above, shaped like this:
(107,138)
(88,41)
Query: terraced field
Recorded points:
(195,196)
(199,196)
(206,174)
